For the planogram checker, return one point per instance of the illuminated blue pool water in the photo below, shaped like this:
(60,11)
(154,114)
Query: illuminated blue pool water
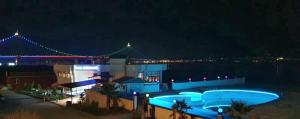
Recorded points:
(201,102)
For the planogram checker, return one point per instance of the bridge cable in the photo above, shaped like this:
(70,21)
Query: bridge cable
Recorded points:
(44,47)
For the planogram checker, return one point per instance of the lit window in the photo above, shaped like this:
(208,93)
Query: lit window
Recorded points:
(59,74)
(11,64)
(68,75)
(140,75)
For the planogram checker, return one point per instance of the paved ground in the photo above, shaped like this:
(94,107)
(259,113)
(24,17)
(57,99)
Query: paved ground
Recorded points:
(46,110)
(287,107)
(62,102)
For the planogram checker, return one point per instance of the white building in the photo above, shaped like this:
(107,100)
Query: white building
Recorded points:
(75,78)
(147,72)
(78,77)
(141,78)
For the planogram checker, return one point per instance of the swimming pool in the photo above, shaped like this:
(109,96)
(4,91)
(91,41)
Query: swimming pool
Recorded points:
(202,102)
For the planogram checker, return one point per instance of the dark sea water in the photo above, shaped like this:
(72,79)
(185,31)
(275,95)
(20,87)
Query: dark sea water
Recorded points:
(285,74)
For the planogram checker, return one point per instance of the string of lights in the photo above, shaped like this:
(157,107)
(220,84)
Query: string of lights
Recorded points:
(118,51)
(43,46)
(5,39)
(17,35)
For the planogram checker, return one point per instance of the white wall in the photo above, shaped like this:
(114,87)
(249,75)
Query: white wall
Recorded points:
(77,73)
(83,72)
(60,69)
(189,85)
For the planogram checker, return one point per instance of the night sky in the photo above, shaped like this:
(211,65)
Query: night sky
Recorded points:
(158,28)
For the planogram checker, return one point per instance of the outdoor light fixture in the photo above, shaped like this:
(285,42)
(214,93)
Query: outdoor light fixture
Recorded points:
(128,45)
(0,64)
(190,79)
(280,58)
(147,95)
(218,77)
(135,100)
(220,110)
(226,77)
(172,80)
(204,78)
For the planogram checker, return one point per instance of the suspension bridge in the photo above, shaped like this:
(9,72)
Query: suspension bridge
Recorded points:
(18,49)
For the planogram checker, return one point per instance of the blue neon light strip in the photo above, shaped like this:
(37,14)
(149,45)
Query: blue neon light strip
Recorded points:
(169,96)
(211,106)
(86,67)
(249,91)
(190,93)
(58,57)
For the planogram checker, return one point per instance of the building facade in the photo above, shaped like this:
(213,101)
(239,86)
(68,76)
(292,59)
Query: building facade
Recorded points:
(142,78)
(147,72)
(75,78)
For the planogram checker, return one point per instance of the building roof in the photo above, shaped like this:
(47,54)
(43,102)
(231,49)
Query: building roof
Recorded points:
(82,83)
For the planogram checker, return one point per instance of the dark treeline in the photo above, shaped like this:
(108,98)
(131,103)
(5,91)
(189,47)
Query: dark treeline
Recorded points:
(159,28)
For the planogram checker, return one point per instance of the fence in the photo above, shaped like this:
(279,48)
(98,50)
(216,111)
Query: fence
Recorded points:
(93,96)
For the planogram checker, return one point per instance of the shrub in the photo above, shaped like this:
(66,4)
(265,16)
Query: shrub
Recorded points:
(39,87)
(32,86)
(53,91)
(238,110)
(21,115)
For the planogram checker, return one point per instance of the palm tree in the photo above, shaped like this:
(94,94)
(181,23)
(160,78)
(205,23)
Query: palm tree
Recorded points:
(179,107)
(115,99)
(109,90)
(238,110)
